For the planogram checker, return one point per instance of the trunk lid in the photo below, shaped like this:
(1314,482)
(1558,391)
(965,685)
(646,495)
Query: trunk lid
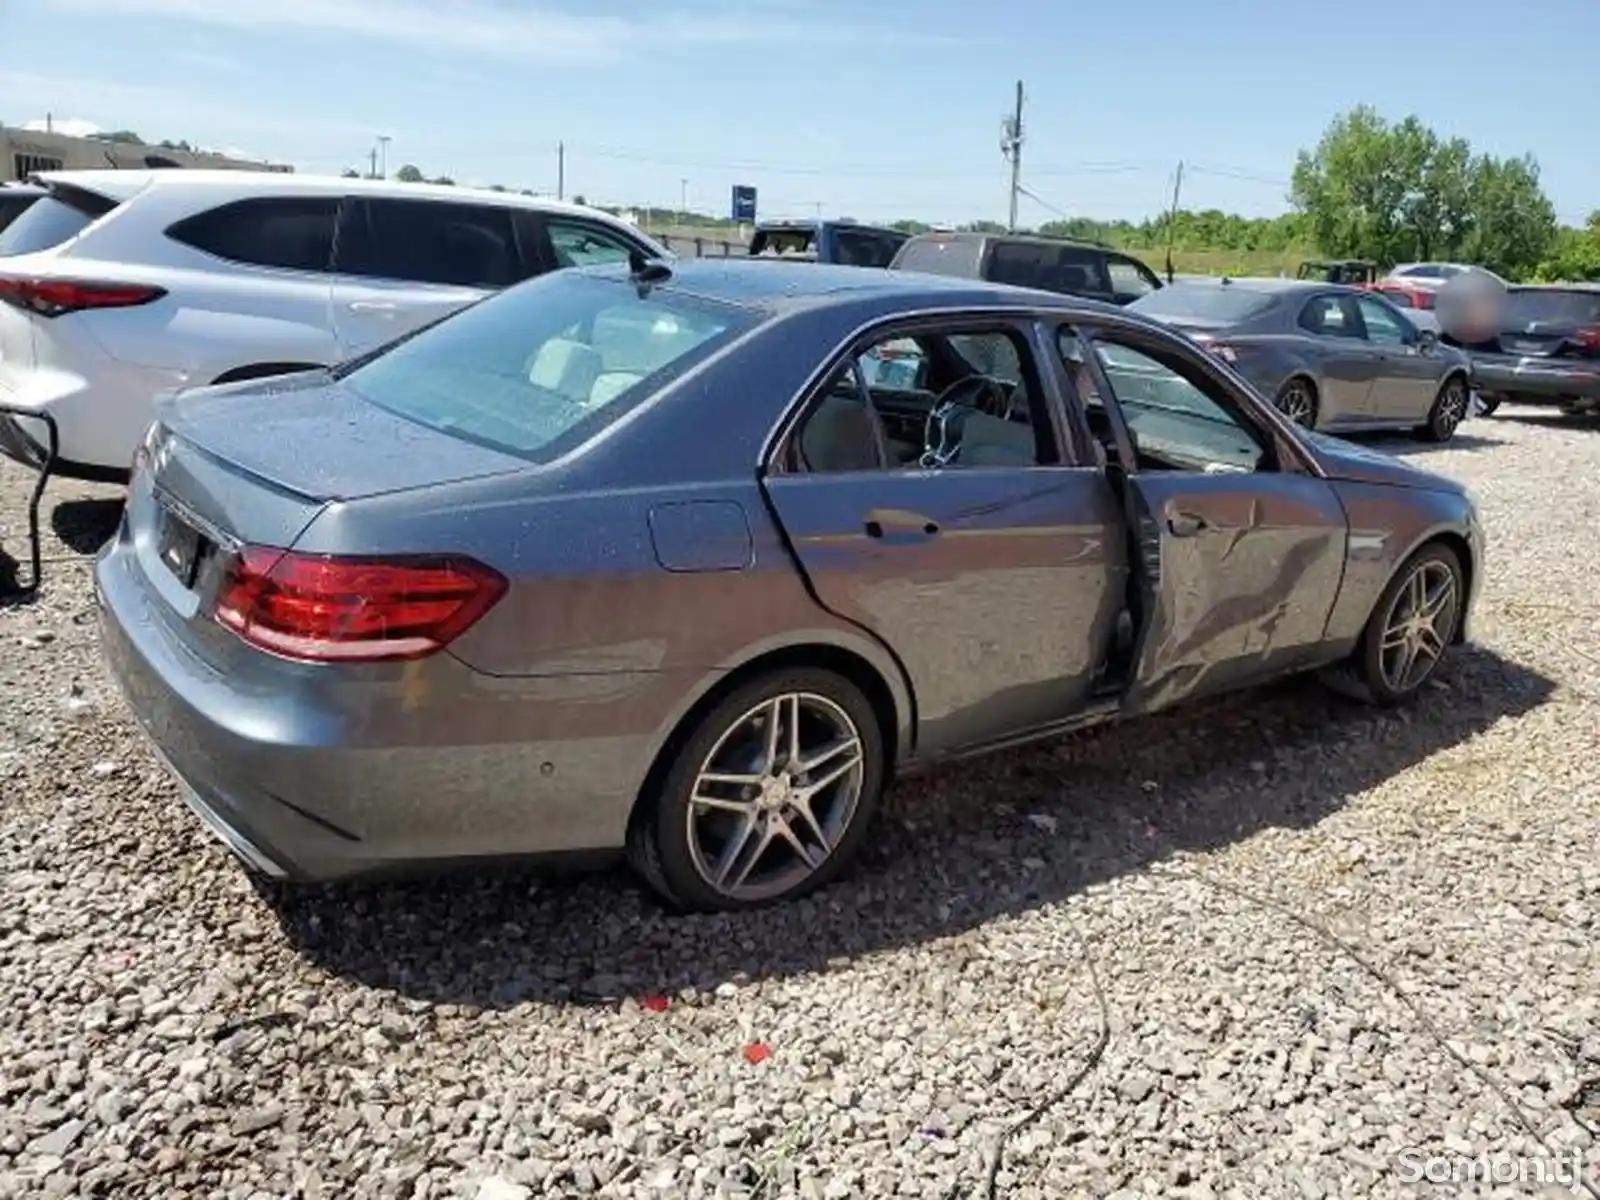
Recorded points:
(312,436)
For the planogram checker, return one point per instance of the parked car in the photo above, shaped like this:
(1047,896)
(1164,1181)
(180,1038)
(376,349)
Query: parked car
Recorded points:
(16,199)
(123,284)
(1547,351)
(844,242)
(494,591)
(1356,272)
(1331,357)
(1419,300)
(1434,275)
(1050,264)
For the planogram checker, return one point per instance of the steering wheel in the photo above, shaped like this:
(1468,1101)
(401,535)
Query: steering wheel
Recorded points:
(951,407)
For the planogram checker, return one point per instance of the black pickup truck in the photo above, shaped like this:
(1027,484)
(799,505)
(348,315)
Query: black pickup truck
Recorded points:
(844,242)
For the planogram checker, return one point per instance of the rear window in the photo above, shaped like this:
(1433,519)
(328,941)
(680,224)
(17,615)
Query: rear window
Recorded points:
(941,256)
(1049,268)
(1210,304)
(1553,304)
(290,232)
(64,213)
(783,242)
(535,370)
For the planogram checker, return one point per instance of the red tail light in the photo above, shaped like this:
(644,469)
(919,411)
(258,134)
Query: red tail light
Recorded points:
(1588,337)
(1425,299)
(54,297)
(327,608)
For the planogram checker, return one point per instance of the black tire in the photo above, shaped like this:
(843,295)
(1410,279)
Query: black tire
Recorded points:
(1448,411)
(1364,676)
(659,842)
(1297,400)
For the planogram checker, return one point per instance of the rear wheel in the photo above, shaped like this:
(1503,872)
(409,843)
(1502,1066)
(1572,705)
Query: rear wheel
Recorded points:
(1448,411)
(1297,400)
(769,797)
(1413,624)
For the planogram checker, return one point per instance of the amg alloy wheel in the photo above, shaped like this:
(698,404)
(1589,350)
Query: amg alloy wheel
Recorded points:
(1412,626)
(769,798)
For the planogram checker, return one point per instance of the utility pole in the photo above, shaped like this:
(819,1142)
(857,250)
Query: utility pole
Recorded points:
(1011,147)
(1172,216)
(372,159)
(683,202)
(383,156)
(561,170)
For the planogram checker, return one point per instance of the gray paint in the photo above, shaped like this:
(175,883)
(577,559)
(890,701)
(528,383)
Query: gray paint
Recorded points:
(676,550)
(1360,384)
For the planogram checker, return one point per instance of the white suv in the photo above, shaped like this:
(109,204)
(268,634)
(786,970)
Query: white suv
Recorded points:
(121,285)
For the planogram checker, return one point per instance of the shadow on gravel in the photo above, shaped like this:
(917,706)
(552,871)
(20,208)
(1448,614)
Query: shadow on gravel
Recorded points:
(1404,446)
(957,849)
(85,525)
(1550,418)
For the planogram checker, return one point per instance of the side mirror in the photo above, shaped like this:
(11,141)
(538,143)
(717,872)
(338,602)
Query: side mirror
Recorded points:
(1427,339)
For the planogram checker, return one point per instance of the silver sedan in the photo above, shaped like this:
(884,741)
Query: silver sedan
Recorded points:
(1331,357)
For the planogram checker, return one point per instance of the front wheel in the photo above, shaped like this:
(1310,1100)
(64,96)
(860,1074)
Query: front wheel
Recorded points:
(1448,411)
(769,797)
(1414,623)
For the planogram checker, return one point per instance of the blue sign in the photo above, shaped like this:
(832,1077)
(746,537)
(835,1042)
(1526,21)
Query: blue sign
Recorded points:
(744,203)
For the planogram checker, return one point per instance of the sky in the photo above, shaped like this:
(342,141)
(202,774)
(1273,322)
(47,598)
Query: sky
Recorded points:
(873,111)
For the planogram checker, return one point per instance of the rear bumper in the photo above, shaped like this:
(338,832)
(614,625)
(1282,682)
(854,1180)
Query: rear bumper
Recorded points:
(314,774)
(1535,378)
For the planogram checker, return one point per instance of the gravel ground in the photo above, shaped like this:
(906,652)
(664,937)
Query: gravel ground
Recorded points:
(167,1030)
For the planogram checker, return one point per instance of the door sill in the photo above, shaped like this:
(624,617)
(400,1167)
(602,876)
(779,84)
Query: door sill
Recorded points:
(1100,710)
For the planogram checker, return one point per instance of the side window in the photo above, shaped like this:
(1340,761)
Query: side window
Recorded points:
(430,241)
(960,415)
(1384,327)
(1129,278)
(580,244)
(1329,316)
(294,233)
(1080,271)
(1025,264)
(1181,420)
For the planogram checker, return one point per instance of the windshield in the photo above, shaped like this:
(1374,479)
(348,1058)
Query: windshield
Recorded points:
(64,213)
(1540,304)
(1208,304)
(538,368)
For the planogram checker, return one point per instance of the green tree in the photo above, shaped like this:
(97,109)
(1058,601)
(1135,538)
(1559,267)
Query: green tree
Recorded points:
(445,180)
(409,174)
(578,199)
(1576,255)
(911,227)
(1399,192)
(125,137)
(1515,225)
(349,173)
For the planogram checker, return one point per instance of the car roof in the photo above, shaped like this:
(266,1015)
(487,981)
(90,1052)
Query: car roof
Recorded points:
(1575,286)
(775,286)
(1266,284)
(123,185)
(1035,239)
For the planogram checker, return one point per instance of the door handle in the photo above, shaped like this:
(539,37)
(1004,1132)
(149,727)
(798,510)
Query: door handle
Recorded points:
(1185,524)
(883,521)
(372,306)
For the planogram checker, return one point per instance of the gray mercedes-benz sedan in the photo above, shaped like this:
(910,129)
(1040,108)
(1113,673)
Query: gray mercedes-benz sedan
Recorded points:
(689,560)
(1332,357)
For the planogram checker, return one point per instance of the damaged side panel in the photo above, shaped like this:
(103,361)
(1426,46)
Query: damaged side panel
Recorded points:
(1240,573)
